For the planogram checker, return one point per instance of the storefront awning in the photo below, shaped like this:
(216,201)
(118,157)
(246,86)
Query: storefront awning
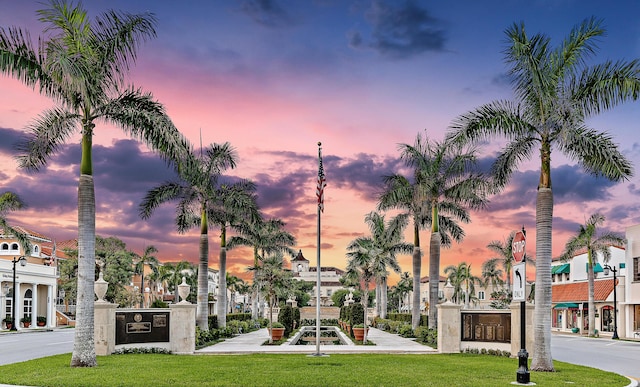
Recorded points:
(560,269)
(596,269)
(566,305)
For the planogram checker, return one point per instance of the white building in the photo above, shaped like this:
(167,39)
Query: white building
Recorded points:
(570,294)
(629,322)
(36,282)
(329,278)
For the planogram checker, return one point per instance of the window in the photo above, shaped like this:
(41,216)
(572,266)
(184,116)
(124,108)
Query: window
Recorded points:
(636,269)
(27,303)
(14,246)
(481,295)
(5,246)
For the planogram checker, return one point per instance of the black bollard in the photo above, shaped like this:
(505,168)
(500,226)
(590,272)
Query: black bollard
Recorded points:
(522,375)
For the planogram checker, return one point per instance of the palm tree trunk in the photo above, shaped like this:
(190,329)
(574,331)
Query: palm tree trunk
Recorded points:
(142,287)
(378,297)
(592,305)
(383,291)
(365,301)
(84,351)
(417,268)
(434,278)
(222,297)
(541,359)
(202,315)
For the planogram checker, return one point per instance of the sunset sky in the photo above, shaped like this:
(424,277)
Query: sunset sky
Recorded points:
(275,77)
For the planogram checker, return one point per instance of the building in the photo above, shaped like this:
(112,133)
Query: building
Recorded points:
(629,321)
(329,278)
(570,294)
(36,282)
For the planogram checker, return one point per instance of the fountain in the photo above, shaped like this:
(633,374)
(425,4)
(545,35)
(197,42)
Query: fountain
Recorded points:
(329,335)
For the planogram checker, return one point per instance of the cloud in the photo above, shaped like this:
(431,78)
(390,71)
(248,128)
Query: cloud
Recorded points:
(400,32)
(10,137)
(267,13)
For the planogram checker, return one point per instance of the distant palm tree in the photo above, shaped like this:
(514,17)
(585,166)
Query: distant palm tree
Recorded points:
(233,286)
(147,259)
(361,257)
(9,202)
(556,91)
(504,255)
(273,281)
(491,274)
(266,238)
(404,286)
(82,67)
(587,239)
(463,282)
(445,188)
(389,238)
(197,194)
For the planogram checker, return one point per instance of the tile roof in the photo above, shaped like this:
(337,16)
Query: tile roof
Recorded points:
(31,233)
(579,291)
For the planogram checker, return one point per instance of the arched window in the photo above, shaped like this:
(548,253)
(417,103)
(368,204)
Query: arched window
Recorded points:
(35,249)
(28,295)
(5,246)
(14,246)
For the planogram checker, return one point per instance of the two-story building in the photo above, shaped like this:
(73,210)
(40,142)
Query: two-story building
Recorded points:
(329,278)
(570,292)
(629,324)
(35,282)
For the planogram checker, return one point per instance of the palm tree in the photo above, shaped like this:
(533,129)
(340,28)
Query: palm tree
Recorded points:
(82,67)
(587,239)
(266,237)
(9,202)
(491,274)
(273,280)
(233,285)
(235,205)
(197,194)
(446,186)
(504,255)
(361,255)
(556,91)
(463,281)
(404,286)
(389,238)
(147,259)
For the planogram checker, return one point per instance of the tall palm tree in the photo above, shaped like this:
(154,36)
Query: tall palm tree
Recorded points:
(10,202)
(389,238)
(446,188)
(361,256)
(147,259)
(273,280)
(266,238)
(235,205)
(492,274)
(82,67)
(197,194)
(504,255)
(587,239)
(556,91)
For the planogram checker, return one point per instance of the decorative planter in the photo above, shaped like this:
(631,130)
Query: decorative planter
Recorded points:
(277,333)
(9,325)
(575,330)
(26,324)
(358,334)
(41,324)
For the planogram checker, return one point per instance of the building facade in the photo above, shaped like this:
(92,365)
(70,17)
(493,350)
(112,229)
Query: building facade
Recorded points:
(630,323)
(35,283)
(329,278)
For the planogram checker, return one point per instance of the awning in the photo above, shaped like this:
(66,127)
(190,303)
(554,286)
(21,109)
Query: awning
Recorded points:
(566,305)
(596,269)
(560,269)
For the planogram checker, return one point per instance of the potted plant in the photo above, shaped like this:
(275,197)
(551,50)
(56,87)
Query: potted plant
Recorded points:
(358,332)
(41,321)
(277,331)
(8,322)
(26,321)
(347,325)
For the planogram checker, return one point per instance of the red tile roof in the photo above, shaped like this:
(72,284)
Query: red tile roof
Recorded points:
(579,291)
(31,233)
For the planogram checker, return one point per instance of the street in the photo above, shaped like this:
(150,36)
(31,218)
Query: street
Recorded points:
(619,356)
(19,347)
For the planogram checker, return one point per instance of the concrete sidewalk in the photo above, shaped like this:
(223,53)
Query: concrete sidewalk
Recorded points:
(252,343)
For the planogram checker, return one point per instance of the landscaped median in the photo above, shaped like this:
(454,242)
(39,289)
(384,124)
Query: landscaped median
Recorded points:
(295,370)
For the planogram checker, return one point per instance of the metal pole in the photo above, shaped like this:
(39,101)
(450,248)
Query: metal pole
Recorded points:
(615,307)
(13,299)
(522,375)
(318,291)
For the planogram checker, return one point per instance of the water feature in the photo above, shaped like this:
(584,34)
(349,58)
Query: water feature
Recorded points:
(329,335)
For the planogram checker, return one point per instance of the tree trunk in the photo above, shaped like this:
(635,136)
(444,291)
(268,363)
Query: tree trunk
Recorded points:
(202,314)
(383,298)
(542,360)
(434,279)
(365,301)
(222,296)
(84,350)
(417,266)
(592,305)
(378,297)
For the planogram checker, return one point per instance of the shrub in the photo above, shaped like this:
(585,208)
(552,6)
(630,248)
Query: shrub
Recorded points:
(159,304)
(213,322)
(296,318)
(239,316)
(357,314)
(406,331)
(286,318)
(277,324)
(427,336)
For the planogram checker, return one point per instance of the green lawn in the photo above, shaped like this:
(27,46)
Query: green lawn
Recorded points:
(295,370)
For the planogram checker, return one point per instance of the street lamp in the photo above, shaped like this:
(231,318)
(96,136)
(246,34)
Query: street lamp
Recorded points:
(615,300)
(23,262)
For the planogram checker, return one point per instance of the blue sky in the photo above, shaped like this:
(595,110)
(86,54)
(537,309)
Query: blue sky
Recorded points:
(274,77)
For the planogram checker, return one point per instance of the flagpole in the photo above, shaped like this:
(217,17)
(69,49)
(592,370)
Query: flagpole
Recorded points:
(320,195)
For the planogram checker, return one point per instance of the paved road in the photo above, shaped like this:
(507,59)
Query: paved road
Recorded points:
(21,346)
(619,356)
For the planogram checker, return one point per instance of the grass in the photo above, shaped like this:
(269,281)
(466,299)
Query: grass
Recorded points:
(295,370)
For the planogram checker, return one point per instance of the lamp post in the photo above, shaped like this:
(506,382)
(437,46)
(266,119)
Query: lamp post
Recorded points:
(23,262)
(615,300)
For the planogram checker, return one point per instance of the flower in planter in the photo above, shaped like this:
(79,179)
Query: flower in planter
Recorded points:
(41,320)
(25,319)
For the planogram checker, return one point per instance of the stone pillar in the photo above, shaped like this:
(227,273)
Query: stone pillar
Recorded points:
(34,304)
(515,329)
(51,307)
(17,305)
(449,327)
(182,328)
(104,327)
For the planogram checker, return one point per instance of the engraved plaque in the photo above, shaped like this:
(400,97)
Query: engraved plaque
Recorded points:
(142,327)
(490,327)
